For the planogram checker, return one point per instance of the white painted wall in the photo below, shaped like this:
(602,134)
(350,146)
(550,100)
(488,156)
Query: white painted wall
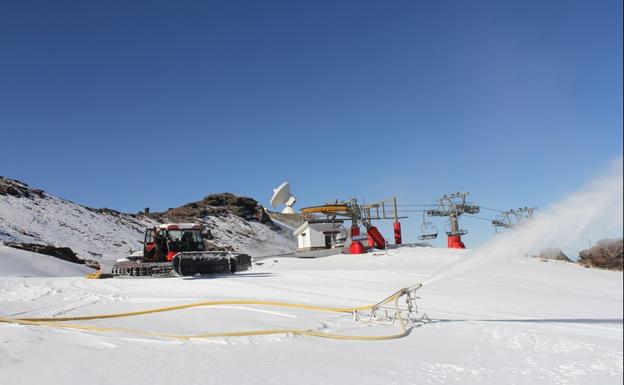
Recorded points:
(311,235)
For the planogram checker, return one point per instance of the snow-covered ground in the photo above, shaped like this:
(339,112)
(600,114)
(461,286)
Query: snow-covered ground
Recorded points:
(22,263)
(512,321)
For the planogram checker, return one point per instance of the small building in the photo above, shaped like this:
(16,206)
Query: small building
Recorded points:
(314,236)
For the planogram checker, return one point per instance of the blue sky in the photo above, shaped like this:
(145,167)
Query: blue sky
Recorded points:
(134,104)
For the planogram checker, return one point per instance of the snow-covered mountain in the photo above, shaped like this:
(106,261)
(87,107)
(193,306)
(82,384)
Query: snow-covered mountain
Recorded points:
(34,216)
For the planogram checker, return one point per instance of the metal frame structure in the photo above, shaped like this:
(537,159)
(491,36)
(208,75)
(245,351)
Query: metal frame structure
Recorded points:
(365,214)
(453,206)
(388,210)
(511,218)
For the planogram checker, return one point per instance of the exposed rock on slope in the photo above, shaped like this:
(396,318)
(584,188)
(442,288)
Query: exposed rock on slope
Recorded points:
(15,262)
(554,254)
(18,189)
(217,205)
(606,254)
(64,253)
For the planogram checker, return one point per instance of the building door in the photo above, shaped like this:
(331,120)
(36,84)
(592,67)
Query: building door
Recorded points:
(328,241)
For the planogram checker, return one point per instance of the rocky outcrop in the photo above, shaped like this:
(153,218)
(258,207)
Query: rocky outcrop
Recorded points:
(217,205)
(107,211)
(64,253)
(244,207)
(18,189)
(606,254)
(552,254)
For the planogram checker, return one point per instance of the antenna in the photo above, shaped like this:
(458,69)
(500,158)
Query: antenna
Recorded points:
(282,196)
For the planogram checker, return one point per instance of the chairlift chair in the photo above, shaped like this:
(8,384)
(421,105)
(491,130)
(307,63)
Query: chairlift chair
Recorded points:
(428,230)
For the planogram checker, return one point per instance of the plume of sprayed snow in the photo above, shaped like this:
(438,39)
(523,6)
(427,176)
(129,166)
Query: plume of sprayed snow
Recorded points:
(594,211)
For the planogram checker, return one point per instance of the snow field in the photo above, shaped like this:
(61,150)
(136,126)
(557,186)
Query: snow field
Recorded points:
(516,320)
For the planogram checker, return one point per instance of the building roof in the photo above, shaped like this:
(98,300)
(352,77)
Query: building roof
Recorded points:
(320,227)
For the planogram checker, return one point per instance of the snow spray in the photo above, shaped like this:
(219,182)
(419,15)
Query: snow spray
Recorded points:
(596,209)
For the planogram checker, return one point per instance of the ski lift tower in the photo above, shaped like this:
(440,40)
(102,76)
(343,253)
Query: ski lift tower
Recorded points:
(453,206)
(512,218)
(502,221)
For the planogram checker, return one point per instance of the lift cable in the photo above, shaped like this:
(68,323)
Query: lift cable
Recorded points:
(429,205)
(477,217)
(487,208)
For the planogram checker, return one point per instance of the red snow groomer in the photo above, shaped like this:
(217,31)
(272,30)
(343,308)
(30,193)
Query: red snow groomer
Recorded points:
(178,248)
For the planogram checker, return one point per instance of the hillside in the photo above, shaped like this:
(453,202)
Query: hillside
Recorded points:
(34,216)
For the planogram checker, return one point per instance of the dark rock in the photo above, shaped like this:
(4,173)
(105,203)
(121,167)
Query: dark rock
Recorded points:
(106,211)
(64,253)
(606,254)
(208,235)
(554,254)
(262,216)
(216,205)
(211,246)
(92,263)
(243,207)
(18,189)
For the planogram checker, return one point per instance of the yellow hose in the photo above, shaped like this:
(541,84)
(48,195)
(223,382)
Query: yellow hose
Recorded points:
(314,333)
(60,322)
(201,304)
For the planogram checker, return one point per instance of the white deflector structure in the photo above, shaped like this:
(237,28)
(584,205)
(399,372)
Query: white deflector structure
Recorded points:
(282,196)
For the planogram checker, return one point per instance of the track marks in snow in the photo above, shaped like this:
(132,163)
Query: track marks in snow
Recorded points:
(535,347)
(51,298)
(13,291)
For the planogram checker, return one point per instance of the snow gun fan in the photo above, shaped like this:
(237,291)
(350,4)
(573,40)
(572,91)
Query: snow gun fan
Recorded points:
(282,196)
